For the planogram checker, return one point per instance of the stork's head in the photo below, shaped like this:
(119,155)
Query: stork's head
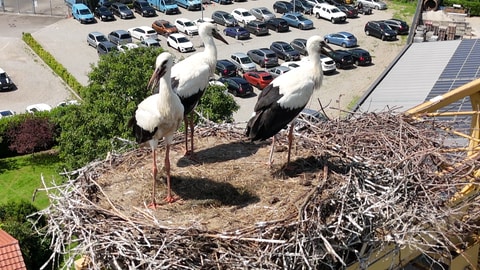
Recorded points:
(163,64)
(209,29)
(316,45)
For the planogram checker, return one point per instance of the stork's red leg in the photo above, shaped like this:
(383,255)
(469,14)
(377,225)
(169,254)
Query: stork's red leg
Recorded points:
(290,140)
(270,160)
(153,204)
(185,121)
(192,127)
(169,198)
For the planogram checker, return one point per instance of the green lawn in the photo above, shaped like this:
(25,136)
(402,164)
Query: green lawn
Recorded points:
(21,176)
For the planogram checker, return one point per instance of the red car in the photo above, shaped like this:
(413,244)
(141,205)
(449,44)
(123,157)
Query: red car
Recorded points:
(259,79)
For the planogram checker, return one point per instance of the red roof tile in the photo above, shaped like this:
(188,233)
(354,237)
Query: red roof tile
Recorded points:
(10,253)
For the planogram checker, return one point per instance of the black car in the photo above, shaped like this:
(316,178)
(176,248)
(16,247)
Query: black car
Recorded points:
(225,68)
(143,8)
(103,13)
(300,45)
(302,6)
(285,51)
(380,30)
(257,28)
(401,27)
(282,7)
(343,59)
(224,18)
(223,2)
(278,25)
(122,11)
(350,11)
(5,82)
(238,86)
(361,57)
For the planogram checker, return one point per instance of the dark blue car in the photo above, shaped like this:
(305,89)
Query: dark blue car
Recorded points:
(237,32)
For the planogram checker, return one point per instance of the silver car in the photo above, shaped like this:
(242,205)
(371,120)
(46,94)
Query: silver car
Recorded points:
(264,57)
(243,62)
(374,4)
(93,38)
(262,13)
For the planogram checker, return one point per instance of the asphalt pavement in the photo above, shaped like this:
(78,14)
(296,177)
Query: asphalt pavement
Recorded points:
(65,39)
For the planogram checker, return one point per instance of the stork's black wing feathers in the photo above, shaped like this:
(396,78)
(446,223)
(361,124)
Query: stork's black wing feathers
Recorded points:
(268,96)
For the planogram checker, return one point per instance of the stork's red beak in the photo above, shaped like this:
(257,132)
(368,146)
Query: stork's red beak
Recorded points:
(157,74)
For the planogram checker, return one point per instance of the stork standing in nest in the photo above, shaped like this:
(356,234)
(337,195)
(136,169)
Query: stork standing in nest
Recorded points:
(159,116)
(190,76)
(286,96)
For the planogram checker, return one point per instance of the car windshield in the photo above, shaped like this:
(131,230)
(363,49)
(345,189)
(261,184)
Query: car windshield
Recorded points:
(267,77)
(103,9)
(123,8)
(265,11)
(287,48)
(301,18)
(169,2)
(335,10)
(228,16)
(101,38)
(246,60)
(3,75)
(189,23)
(183,40)
(84,11)
(6,113)
(246,13)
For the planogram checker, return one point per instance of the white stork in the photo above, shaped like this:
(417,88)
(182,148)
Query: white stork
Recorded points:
(190,76)
(159,116)
(286,96)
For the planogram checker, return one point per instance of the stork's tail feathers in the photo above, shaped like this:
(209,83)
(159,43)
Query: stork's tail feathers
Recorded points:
(251,130)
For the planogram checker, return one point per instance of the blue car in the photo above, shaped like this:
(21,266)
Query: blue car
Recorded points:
(236,32)
(297,20)
(344,39)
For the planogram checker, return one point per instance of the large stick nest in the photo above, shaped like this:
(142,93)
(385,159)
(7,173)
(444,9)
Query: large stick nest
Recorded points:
(356,186)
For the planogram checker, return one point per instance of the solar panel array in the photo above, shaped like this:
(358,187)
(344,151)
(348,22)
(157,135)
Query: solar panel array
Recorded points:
(463,67)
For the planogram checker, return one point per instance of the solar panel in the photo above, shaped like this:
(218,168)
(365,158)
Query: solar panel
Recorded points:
(463,67)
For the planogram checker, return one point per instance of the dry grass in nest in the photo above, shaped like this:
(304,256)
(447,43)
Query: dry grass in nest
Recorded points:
(356,186)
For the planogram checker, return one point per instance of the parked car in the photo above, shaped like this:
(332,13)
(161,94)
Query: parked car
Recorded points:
(224,18)
(40,107)
(243,62)
(5,82)
(236,32)
(204,19)
(6,113)
(401,27)
(223,2)
(291,64)
(142,32)
(93,38)
(328,64)
(360,56)
(105,47)
(259,79)
(282,7)
(186,26)
(82,13)
(308,116)
(238,86)
(343,59)
(143,8)
(258,28)
(180,42)
(225,68)
(350,11)
(103,13)
(126,47)
(164,27)
(298,20)
(364,10)
(119,37)
(285,51)
(300,45)
(243,15)
(329,12)
(278,25)
(122,11)
(262,13)
(375,4)
(278,70)
(344,39)
(264,57)
(380,30)
(302,6)
(149,42)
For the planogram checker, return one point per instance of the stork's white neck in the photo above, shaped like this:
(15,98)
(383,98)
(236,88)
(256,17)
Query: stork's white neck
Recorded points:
(210,52)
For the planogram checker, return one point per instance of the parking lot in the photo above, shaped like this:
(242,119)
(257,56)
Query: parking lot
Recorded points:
(65,39)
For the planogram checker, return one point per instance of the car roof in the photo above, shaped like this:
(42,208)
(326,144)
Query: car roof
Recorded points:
(120,31)
(2,71)
(240,54)
(280,42)
(241,9)
(238,79)
(225,61)
(296,14)
(345,33)
(281,68)
(177,35)
(220,12)
(40,106)
(96,33)
(108,44)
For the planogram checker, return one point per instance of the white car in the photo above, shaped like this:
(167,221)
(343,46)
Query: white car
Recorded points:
(243,15)
(6,113)
(40,107)
(180,42)
(291,64)
(142,32)
(328,64)
(127,46)
(186,26)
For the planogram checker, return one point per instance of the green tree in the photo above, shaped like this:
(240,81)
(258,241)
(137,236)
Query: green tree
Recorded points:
(34,247)
(117,84)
